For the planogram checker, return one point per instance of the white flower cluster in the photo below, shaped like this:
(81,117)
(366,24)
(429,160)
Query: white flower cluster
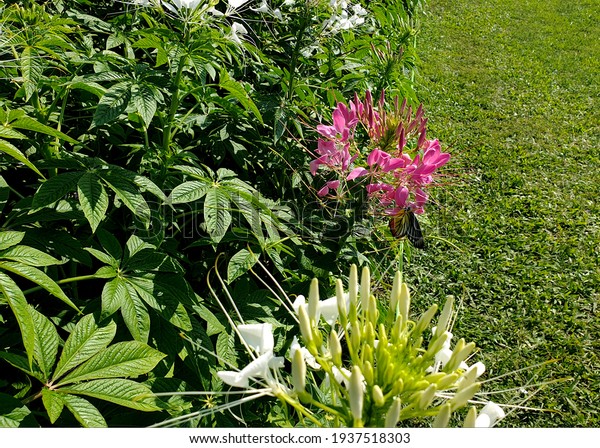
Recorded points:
(345,16)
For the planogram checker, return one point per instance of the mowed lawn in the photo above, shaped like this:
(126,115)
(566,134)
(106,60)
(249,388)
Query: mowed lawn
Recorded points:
(511,88)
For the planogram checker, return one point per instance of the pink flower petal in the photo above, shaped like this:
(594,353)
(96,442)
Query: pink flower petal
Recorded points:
(357,172)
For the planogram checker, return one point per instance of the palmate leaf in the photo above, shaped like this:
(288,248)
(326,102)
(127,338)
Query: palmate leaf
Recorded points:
(166,293)
(28,255)
(236,90)
(123,359)
(38,277)
(135,314)
(190,191)
(30,124)
(112,104)
(114,295)
(32,67)
(46,342)
(14,414)
(4,193)
(216,213)
(55,189)
(86,339)
(120,391)
(240,263)
(10,238)
(85,412)
(225,348)
(53,403)
(22,363)
(15,153)
(213,324)
(127,192)
(143,98)
(92,198)
(16,300)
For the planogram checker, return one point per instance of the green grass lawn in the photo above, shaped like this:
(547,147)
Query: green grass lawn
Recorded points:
(511,88)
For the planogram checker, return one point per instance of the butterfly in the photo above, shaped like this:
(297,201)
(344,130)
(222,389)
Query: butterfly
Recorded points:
(405,224)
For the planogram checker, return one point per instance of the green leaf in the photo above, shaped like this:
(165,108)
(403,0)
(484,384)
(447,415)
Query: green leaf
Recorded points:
(30,124)
(165,294)
(10,238)
(21,363)
(53,403)
(106,272)
(55,188)
(216,213)
(92,87)
(101,256)
(38,277)
(14,414)
(143,99)
(236,90)
(135,315)
(128,194)
(123,359)
(119,391)
(85,412)
(114,295)
(4,194)
(16,300)
(86,339)
(15,153)
(46,342)
(110,244)
(93,199)
(214,326)
(240,263)
(29,256)
(32,67)
(112,104)
(225,348)
(189,191)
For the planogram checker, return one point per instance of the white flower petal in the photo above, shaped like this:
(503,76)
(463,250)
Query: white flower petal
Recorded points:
(258,336)
(489,415)
(233,378)
(235,4)
(443,356)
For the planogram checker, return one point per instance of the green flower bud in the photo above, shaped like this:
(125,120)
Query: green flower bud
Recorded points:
(462,397)
(356,395)
(298,372)
(382,336)
(353,285)
(365,288)
(395,295)
(341,303)
(425,319)
(404,302)
(427,396)
(335,348)
(459,354)
(367,370)
(369,335)
(313,302)
(437,344)
(443,417)
(470,418)
(393,414)
(378,397)
(447,381)
(372,312)
(444,319)
(306,330)
(355,338)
